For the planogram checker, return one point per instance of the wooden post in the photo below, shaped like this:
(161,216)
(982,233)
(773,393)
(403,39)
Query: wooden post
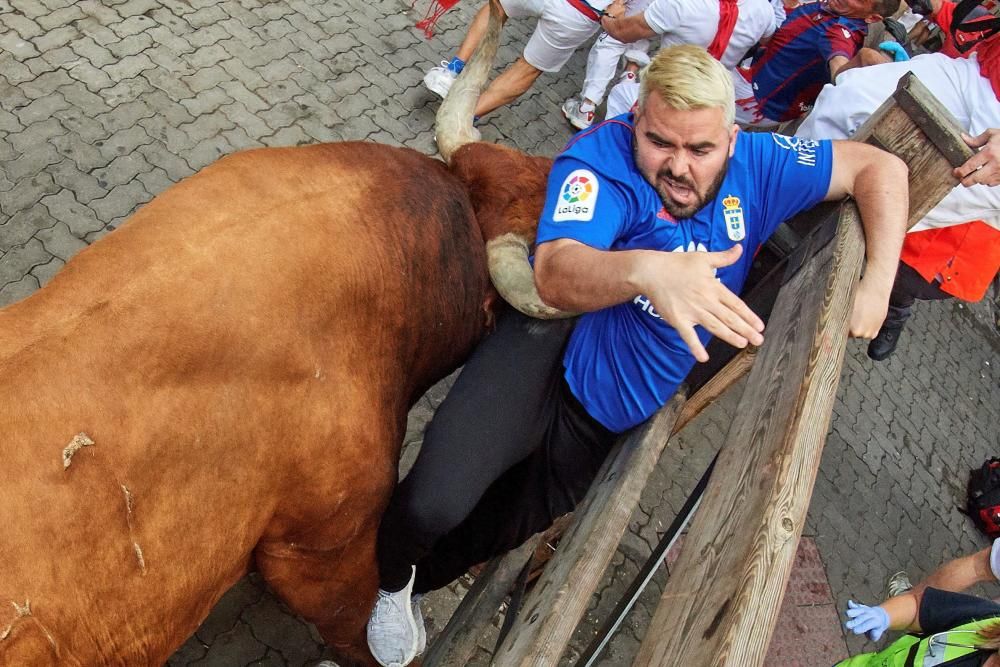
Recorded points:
(722,600)
(559,599)
(458,641)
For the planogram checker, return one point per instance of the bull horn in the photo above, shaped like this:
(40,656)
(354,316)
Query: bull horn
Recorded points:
(507,258)
(453,125)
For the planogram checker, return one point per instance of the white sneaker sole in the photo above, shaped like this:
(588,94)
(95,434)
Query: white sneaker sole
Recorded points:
(578,124)
(436,87)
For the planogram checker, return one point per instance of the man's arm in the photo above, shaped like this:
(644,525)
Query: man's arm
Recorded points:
(863,58)
(682,287)
(626,29)
(878,182)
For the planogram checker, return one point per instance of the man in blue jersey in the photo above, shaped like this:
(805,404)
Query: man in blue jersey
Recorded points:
(817,41)
(649,228)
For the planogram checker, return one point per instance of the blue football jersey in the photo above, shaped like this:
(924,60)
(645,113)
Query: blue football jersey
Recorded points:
(624,362)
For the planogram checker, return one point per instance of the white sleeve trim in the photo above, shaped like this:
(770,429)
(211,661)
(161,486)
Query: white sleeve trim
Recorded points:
(995,558)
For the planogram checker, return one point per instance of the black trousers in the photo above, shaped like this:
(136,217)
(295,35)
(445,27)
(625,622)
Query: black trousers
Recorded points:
(907,288)
(507,452)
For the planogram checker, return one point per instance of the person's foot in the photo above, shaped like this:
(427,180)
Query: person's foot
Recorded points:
(392,629)
(884,344)
(439,79)
(579,114)
(897,584)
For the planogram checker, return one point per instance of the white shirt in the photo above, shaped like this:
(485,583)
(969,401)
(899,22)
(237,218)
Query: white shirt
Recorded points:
(697,21)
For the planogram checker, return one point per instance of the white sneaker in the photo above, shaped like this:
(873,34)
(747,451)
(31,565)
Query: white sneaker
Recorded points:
(392,630)
(439,79)
(419,619)
(576,113)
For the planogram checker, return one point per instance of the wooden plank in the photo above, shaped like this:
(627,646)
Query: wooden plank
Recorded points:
(722,600)
(458,641)
(559,599)
(914,139)
(721,603)
(903,125)
(730,374)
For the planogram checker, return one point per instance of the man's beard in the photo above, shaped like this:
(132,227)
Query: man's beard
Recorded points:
(680,211)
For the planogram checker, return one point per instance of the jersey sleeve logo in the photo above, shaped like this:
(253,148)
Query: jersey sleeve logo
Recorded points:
(805,149)
(577,197)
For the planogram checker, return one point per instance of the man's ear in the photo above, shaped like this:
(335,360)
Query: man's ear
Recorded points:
(733,133)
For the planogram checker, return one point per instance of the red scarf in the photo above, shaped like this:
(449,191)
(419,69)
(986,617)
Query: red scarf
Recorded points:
(728,13)
(436,9)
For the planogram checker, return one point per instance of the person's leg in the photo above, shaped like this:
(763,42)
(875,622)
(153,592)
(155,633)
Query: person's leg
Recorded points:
(624,94)
(476,31)
(907,288)
(493,417)
(561,30)
(602,63)
(510,85)
(528,498)
(440,78)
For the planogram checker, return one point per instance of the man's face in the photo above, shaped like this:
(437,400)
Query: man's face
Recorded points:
(683,154)
(855,9)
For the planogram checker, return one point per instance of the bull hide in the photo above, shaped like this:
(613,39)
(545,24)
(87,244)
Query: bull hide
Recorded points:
(223,383)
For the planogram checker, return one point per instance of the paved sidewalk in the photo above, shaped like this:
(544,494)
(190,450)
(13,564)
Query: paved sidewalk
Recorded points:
(105,104)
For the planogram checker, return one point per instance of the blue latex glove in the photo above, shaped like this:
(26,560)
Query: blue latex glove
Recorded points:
(872,621)
(896,50)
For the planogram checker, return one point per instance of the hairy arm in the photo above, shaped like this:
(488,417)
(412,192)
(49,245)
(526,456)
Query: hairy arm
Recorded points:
(682,286)
(955,576)
(958,574)
(863,58)
(878,182)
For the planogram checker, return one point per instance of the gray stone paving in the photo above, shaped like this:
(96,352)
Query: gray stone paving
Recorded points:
(104,104)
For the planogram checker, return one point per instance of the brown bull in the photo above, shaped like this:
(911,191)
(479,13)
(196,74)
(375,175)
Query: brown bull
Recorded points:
(223,384)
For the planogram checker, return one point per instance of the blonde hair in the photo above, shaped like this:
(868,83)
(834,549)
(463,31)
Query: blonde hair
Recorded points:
(989,634)
(687,77)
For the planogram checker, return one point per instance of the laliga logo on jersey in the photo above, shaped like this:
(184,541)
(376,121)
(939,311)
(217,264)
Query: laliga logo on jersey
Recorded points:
(577,197)
(733,215)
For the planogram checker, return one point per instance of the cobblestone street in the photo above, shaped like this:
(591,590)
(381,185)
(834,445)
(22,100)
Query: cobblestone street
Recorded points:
(104,104)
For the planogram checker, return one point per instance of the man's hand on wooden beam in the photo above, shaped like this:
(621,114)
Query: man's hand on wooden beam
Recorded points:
(984,167)
(871,302)
(878,181)
(686,293)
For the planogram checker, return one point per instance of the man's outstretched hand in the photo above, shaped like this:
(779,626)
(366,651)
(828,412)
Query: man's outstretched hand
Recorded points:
(686,293)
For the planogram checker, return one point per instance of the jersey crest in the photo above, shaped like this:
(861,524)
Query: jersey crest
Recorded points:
(732,213)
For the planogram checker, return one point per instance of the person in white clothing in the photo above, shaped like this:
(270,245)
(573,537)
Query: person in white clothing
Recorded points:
(602,64)
(563,27)
(700,22)
(954,251)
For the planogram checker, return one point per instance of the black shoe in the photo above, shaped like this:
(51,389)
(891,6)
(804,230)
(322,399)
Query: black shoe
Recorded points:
(884,344)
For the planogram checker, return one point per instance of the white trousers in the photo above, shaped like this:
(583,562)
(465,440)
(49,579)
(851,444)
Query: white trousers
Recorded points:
(602,64)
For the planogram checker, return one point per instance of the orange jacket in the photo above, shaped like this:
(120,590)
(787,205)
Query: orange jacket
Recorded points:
(965,257)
